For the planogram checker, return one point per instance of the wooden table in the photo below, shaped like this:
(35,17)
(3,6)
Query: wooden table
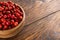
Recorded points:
(42,20)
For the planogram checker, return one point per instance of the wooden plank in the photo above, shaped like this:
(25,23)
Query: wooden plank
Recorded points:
(37,12)
(53,31)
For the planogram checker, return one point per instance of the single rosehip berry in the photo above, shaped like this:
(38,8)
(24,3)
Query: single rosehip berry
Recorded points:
(12,16)
(21,17)
(5,16)
(0,26)
(12,21)
(13,6)
(7,23)
(4,12)
(15,23)
(1,2)
(3,23)
(10,8)
(17,14)
(2,19)
(5,27)
(21,13)
(1,8)
(15,18)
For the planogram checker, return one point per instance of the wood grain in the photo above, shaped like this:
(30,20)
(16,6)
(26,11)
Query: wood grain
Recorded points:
(42,20)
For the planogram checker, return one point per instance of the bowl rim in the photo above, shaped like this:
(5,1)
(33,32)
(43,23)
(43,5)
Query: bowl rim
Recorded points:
(19,25)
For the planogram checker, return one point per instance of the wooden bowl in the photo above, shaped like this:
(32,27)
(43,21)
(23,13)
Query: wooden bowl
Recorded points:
(15,30)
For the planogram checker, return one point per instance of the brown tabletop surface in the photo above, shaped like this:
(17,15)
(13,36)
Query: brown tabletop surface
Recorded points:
(42,20)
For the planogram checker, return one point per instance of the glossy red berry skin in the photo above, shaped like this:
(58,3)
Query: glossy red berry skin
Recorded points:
(3,23)
(2,19)
(0,26)
(17,14)
(4,12)
(15,23)
(21,17)
(7,23)
(5,16)
(12,21)
(12,16)
(5,27)
(1,8)
(10,8)
(9,15)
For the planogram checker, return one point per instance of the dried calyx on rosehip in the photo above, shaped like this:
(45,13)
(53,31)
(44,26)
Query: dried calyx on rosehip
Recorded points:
(10,15)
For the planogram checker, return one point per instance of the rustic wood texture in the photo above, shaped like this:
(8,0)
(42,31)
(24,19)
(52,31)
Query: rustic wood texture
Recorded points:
(42,20)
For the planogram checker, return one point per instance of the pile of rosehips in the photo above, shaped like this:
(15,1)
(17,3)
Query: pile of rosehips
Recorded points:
(10,15)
